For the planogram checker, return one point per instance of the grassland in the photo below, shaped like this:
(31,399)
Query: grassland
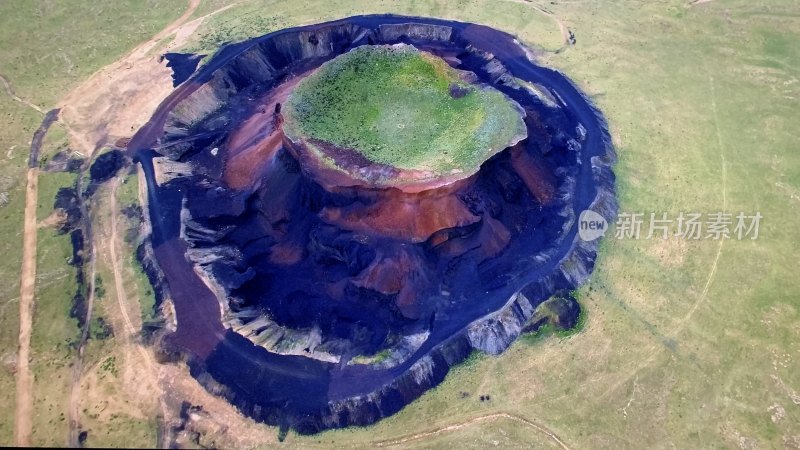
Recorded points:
(51,46)
(686,344)
(128,197)
(256,17)
(403,108)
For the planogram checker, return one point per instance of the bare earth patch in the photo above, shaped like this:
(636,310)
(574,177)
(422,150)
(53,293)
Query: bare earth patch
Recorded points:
(111,103)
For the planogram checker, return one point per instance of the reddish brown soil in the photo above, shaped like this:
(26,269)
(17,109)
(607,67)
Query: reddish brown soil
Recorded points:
(401,215)
(539,180)
(354,170)
(253,145)
(286,253)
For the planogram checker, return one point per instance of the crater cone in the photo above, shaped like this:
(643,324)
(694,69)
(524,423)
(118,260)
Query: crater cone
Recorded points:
(395,116)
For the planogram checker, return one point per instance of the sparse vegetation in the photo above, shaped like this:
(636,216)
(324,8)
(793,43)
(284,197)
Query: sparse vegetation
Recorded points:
(99,329)
(110,365)
(99,289)
(377,358)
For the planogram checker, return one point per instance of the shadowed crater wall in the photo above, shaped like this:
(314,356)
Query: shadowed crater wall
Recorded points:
(314,304)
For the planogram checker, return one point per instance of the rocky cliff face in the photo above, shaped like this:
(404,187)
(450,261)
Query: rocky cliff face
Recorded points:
(280,269)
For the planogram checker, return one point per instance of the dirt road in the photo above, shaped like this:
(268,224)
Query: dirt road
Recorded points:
(147,370)
(566,33)
(24,410)
(115,263)
(27,289)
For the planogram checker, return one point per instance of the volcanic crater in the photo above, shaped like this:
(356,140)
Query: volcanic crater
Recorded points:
(328,264)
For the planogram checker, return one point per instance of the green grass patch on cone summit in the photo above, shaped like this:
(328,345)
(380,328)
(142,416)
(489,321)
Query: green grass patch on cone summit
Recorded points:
(396,106)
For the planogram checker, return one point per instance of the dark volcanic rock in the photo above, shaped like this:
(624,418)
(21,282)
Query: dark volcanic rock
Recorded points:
(107,165)
(67,201)
(309,277)
(183,65)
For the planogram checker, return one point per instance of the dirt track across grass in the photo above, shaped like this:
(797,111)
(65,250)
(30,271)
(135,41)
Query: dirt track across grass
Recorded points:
(15,97)
(27,289)
(24,410)
(566,34)
(484,418)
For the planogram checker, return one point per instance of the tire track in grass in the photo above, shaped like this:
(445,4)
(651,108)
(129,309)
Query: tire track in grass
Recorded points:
(485,418)
(16,98)
(681,324)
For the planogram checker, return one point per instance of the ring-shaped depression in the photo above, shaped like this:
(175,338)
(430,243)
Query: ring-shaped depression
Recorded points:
(314,304)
